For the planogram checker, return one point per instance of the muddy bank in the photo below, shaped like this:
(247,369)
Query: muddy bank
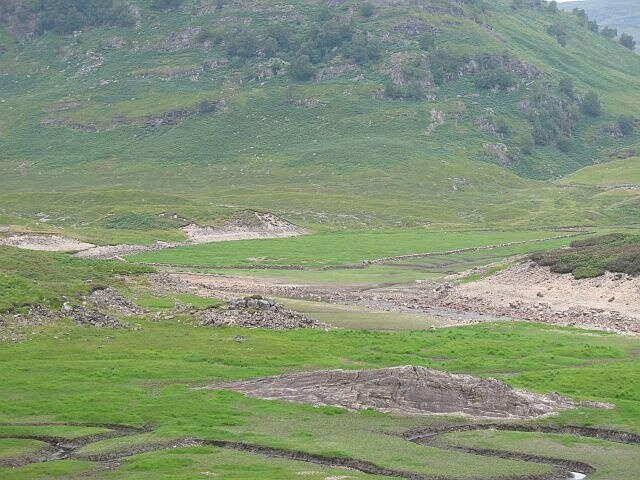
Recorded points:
(528,291)
(404,390)
(59,448)
(523,292)
(242,225)
(44,242)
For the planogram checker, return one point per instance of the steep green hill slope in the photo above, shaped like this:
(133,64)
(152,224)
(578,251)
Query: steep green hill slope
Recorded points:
(344,114)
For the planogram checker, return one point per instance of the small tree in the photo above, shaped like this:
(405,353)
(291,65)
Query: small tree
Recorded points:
(559,32)
(563,144)
(553,6)
(301,68)
(627,40)
(566,87)
(626,124)
(526,144)
(270,47)
(366,10)
(427,41)
(207,106)
(591,104)
(165,4)
(582,15)
(609,32)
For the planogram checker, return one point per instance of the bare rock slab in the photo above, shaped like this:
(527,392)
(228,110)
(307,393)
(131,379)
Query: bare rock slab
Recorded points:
(404,390)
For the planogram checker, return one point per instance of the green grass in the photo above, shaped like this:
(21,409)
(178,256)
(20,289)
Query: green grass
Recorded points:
(360,318)
(204,462)
(617,172)
(333,249)
(432,267)
(30,277)
(64,469)
(16,447)
(610,460)
(63,431)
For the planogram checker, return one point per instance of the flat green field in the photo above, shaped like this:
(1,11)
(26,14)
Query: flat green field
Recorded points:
(336,248)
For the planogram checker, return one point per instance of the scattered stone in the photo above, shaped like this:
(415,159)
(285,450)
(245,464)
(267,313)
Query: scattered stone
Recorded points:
(110,299)
(256,312)
(96,318)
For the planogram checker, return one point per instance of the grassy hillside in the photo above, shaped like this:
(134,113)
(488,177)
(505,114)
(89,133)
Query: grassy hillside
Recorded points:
(622,172)
(403,116)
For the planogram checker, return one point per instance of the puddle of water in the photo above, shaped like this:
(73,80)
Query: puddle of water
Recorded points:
(577,476)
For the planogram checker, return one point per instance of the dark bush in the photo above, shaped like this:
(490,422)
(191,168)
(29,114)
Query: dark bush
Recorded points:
(566,87)
(591,104)
(498,78)
(593,256)
(526,144)
(66,16)
(165,4)
(563,144)
(207,106)
(367,10)
(427,41)
(242,43)
(626,124)
(559,32)
(301,68)
(627,41)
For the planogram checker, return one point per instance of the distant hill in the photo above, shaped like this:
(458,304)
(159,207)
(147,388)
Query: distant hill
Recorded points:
(125,120)
(621,14)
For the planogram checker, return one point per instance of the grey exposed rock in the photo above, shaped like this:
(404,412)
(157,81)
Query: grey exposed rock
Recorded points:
(406,390)
(95,318)
(498,152)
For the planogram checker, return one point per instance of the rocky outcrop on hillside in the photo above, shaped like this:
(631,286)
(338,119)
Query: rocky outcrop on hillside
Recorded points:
(405,390)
